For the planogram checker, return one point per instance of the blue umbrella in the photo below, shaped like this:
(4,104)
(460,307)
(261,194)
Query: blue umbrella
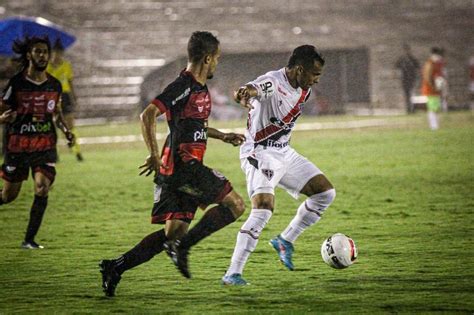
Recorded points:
(15,28)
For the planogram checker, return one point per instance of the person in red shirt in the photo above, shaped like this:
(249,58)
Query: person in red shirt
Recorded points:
(434,84)
(30,107)
(183,182)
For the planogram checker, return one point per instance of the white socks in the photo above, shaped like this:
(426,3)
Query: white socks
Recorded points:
(247,239)
(309,212)
(433,120)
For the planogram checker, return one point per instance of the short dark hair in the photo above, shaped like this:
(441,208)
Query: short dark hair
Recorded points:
(305,56)
(58,45)
(437,51)
(201,44)
(23,47)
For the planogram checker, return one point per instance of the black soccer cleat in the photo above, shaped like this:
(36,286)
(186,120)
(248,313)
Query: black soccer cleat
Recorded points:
(110,278)
(179,257)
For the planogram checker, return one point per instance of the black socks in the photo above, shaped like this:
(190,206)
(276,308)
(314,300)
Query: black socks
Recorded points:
(36,216)
(213,220)
(142,252)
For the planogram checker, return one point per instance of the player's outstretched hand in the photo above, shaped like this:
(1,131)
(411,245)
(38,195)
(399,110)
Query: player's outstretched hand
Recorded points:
(152,164)
(8,116)
(233,138)
(242,96)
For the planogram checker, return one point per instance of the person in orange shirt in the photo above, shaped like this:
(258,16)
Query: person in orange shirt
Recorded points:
(61,69)
(434,84)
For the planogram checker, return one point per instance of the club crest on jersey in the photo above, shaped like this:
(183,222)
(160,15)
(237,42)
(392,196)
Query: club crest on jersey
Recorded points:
(268,173)
(51,105)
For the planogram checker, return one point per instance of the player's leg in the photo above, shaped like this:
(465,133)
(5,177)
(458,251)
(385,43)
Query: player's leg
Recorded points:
(433,106)
(247,237)
(307,179)
(43,177)
(213,188)
(9,191)
(13,178)
(165,211)
(262,174)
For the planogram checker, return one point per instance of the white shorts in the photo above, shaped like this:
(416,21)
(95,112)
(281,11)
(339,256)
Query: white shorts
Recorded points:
(267,168)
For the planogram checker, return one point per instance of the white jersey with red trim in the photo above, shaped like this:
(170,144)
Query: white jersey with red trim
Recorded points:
(275,110)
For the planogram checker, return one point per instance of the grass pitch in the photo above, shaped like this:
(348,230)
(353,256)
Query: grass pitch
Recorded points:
(404,194)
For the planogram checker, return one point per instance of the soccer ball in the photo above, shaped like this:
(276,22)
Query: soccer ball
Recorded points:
(339,251)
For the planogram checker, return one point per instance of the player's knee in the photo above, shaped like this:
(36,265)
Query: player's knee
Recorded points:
(7,198)
(265,205)
(320,202)
(42,190)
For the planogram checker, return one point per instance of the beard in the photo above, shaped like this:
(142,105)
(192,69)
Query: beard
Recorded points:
(39,67)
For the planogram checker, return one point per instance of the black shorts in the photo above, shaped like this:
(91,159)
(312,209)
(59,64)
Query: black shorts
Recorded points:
(192,185)
(16,166)
(66,104)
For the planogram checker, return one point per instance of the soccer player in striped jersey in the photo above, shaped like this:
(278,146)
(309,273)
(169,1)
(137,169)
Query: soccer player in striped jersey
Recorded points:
(275,101)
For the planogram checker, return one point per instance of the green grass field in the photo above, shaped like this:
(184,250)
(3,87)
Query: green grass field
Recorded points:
(404,194)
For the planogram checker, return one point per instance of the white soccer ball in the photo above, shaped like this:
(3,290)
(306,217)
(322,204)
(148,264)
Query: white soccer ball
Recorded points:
(339,251)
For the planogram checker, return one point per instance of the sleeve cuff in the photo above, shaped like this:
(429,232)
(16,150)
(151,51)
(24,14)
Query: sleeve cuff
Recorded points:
(159,104)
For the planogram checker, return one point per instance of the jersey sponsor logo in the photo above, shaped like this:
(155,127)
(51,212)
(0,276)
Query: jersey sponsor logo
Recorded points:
(36,127)
(267,88)
(180,97)
(268,173)
(280,123)
(51,105)
(200,135)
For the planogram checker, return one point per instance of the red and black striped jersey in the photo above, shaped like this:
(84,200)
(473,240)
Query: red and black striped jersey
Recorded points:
(33,129)
(187,105)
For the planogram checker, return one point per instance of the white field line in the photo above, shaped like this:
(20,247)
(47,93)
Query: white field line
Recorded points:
(352,124)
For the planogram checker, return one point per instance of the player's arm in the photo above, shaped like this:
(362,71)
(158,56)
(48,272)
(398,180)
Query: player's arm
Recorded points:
(244,94)
(7,114)
(233,138)
(61,123)
(428,75)
(262,88)
(148,126)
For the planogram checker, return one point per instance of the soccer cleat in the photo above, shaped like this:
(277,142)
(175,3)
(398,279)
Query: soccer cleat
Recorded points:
(110,278)
(284,250)
(234,279)
(31,245)
(179,257)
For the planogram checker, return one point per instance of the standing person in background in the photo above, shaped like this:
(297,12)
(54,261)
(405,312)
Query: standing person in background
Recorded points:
(409,67)
(30,107)
(433,84)
(61,69)
(275,100)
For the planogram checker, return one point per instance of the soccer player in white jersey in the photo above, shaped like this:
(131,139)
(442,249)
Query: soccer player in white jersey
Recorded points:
(275,101)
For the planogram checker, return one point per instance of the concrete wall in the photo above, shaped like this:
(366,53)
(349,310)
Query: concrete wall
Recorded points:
(121,41)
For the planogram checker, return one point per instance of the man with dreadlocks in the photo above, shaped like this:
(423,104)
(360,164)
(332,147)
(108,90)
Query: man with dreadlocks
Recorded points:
(30,105)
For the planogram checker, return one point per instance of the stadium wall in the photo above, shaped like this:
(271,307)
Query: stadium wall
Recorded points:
(120,42)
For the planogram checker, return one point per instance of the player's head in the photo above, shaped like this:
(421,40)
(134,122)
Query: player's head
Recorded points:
(203,47)
(58,49)
(308,63)
(437,51)
(33,51)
